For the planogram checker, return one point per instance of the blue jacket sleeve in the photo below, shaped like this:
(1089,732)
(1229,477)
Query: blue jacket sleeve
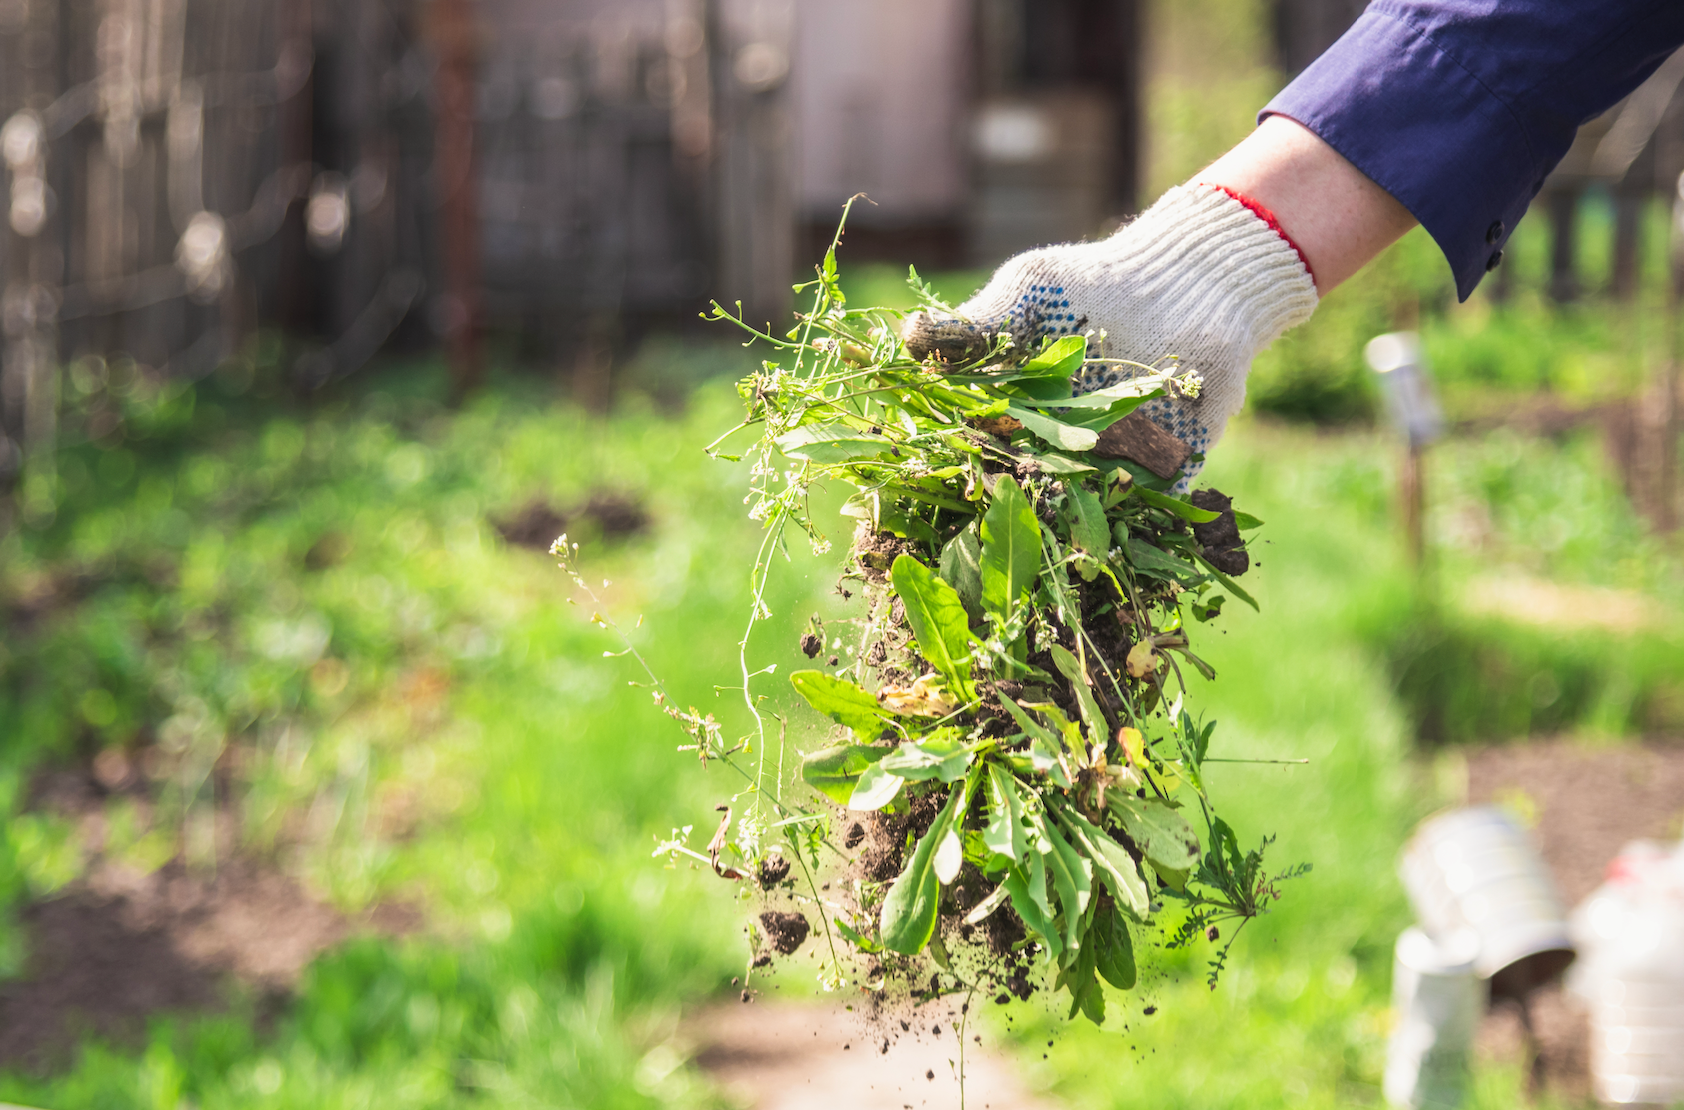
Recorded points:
(1459,108)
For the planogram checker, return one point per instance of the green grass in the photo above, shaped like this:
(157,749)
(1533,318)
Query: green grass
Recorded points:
(319,592)
(425,670)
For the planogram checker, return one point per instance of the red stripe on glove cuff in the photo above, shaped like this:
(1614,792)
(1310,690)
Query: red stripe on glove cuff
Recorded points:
(1268,217)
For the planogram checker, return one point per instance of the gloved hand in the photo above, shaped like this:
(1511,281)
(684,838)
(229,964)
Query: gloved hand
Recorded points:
(1200,275)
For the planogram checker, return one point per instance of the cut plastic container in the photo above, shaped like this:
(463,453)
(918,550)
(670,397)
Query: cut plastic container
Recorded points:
(1475,870)
(1437,998)
(1630,932)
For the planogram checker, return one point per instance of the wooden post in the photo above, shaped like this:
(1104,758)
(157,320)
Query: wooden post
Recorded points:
(454,44)
(1564,240)
(1412,494)
(1628,215)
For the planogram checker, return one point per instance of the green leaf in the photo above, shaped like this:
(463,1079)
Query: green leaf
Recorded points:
(1011,549)
(1071,668)
(935,758)
(1175,880)
(1113,947)
(1086,995)
(1162,834)
(1045,747)
(1174,505)
(1035,729)
(855,937)
(876,788)
(1227,583)
(1023,883)
(1245,522)
(949,857)
(1004,831)
(1059,360)
(1116,867)
(841,701)
(909,910)
(834,772)
(1160,564)
(1056,432)
(904,525)
(938,620)
(1061,465)
(1071,878)
(1131,394)
(961,568)
(829,444)
(1089,529)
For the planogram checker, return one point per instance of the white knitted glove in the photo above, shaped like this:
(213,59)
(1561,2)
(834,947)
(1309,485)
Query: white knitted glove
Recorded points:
(1199,276)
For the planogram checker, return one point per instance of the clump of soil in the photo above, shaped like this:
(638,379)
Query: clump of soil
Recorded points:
(1220,538)
(885,836)
(773,870)
(786,930)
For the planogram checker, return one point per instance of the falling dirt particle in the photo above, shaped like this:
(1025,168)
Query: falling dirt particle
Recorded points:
(854,837)
(834,660)
(762,960)
(1213,933)
(1150,1010)
(735,980)
(745,996)
(811,645)
(787,931)
(935,1030)
(773,870)
(1002,999)
(885,1048)
(931,1074)
(905,1028)
(846,1047)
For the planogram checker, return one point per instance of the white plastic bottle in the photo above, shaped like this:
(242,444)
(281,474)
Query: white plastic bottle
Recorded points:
(1437,1000)
(1630,933)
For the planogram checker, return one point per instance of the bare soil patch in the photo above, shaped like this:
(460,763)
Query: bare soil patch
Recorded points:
(606,514)
(1587,802)
(813,1056)
(119,944)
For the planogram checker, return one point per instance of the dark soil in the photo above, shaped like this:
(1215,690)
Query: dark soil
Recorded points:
(120,945)
(610,516)
(787,931)
(1589,801)
(773,870)
(1220,538)
(876,552)
(886,833)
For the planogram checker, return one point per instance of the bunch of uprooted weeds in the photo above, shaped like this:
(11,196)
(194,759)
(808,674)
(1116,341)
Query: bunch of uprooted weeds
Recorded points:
(1021,783)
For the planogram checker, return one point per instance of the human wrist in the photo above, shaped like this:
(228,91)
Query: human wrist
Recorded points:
(1336,215)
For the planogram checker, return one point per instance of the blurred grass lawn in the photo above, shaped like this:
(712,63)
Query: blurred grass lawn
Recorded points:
(560,954)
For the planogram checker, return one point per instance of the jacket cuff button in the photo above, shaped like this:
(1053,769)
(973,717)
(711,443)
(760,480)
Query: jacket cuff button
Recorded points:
(1494,233)
(1494,261)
